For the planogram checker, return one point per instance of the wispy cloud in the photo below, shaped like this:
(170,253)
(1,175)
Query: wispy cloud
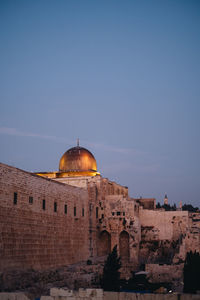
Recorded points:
(127,166)
(16,132)
(102,146)
(110,148)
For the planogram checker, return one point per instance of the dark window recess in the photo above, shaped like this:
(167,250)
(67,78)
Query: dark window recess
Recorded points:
(15,198)
(102,216)
(30,199)
(65,209)
(83,212)
(123,213)
(113,213)
(96,190)
(55,206)
(74,211)
(43,204)
(97,212)
(118,213)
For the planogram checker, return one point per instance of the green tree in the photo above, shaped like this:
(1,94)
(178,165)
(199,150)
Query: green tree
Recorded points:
(190,208)
(111,276)
(191,272)
(158,205)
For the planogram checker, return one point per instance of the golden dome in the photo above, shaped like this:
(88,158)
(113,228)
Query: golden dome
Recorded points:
(78,161)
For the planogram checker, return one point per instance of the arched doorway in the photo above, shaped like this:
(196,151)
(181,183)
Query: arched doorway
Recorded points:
(104,245)
(124,245)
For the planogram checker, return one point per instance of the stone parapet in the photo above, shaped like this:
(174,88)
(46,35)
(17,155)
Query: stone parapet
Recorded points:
(99,294)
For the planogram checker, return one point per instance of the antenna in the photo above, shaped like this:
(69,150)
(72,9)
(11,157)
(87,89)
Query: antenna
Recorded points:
(78,142)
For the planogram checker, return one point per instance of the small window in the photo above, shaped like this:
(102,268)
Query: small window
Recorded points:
(97,212)
(118,213)
(43,204)
(55,206)
(15,198)
(102,216)
(123,213)
(74,211)
(83,212)
(30,199)
(65,209)
(113,213)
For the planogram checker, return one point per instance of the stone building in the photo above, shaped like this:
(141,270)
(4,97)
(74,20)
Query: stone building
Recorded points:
(54,219)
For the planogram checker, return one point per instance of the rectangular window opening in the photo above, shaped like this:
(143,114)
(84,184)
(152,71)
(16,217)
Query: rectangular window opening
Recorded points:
(97,212)
(30,200)
(55,206)
(65,209)
(15,198)
(83,212)
(43,204)
(74,211)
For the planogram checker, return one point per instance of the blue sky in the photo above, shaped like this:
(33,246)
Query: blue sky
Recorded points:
(123,76)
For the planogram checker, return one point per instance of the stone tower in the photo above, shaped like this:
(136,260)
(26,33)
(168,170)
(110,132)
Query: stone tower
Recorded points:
(165,200)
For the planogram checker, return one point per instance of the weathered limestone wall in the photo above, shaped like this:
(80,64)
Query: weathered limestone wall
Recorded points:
(163,236)
(165,273)
(74,181)
(33,237)
(104,186)
(166,225)
(98,294)
(192,240)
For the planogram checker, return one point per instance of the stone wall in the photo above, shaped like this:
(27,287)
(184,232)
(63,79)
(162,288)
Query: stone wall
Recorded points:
(164,273)
(166,224)
(37,234)
(51,224)
(98,294)
(166,236)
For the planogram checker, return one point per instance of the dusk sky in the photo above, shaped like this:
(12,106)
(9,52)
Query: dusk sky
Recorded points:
(122,76)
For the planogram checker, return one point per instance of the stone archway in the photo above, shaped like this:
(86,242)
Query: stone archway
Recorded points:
(124,245)
(104,244)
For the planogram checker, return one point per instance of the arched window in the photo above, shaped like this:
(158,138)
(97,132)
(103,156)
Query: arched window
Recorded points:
(104,243)
(124,245)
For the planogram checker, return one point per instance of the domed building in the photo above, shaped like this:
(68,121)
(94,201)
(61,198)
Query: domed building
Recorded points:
(75,162)
(78,161)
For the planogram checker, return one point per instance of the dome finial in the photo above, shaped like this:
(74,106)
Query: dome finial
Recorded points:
(78,142)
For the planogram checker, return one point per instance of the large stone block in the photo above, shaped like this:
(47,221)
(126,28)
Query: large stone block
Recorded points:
(21,296)
(189,297)
(129,296)
(7,296)
(90,293)
(47,298)
(111,296)
(66,298)
(61,292)
(13,296)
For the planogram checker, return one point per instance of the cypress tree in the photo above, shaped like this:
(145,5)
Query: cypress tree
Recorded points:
(111,276)
(191,272)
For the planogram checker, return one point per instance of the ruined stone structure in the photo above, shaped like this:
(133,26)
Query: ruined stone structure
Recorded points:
(54,219)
